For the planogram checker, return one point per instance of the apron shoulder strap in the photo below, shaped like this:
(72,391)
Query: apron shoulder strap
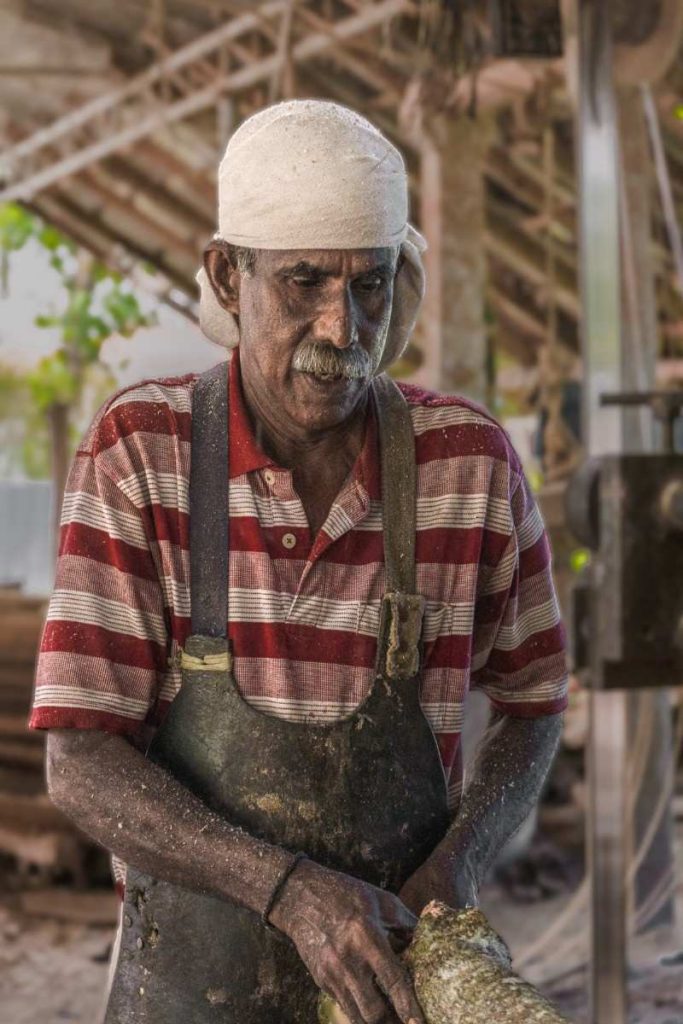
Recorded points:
(399,485)
(398,648)
(209,504)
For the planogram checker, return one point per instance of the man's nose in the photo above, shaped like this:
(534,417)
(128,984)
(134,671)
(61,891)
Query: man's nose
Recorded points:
(336,322)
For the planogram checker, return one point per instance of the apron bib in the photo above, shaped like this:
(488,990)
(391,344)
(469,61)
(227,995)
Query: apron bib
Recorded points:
(365,795)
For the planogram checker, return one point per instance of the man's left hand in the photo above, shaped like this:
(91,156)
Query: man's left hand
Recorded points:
(437,880)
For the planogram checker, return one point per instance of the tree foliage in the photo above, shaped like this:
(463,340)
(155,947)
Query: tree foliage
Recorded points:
(95,303)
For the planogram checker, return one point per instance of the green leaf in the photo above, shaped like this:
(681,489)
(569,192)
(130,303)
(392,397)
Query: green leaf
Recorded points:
(42,320)
(99,328)
(124,309)
(99,272)
(35,452)
(579,559)
(50,238)
(53,381)
(17,226)
(535,478)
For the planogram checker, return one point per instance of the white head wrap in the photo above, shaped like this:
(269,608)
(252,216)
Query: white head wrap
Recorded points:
(308,174)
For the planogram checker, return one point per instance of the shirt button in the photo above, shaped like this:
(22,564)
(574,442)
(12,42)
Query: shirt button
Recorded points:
(289,541)
(269,477)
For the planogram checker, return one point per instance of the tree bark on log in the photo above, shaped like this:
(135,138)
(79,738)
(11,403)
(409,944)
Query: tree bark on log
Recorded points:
(462,973)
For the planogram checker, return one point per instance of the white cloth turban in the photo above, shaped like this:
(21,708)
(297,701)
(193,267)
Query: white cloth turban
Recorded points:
(308,174)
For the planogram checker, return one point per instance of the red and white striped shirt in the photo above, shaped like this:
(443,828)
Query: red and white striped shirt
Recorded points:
(304,610)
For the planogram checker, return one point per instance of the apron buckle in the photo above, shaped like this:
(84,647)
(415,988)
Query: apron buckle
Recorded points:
(206,654)
(406,612)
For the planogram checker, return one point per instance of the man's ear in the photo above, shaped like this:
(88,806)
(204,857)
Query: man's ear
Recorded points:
(223,274)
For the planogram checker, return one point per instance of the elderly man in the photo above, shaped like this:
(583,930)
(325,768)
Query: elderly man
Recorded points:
(300,799)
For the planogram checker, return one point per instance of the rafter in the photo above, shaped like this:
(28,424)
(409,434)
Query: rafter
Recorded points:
(103,201)
(160,217)
(170,91)
(524,259)
(116,252)
(66,209)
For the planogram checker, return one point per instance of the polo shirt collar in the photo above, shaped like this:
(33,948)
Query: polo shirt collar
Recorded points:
(246,455)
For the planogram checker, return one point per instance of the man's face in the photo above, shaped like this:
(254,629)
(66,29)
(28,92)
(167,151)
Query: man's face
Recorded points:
(312,324)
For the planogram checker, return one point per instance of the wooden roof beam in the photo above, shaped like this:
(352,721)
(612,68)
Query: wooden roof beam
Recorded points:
(117,255)
(80,223)
(91,187)
(159,155)
(389,87)
(521,259)
(503,214)
(518,320)
(151,183)
(125,115)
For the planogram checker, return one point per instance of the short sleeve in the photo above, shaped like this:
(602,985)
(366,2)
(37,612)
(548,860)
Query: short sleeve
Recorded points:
(519,641)
(104,645)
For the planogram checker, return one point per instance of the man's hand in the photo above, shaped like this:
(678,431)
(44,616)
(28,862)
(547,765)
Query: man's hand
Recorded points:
(438,879)
(344,930)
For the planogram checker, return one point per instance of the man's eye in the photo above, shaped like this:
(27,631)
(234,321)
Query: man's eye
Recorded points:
(306,282)
(371,284)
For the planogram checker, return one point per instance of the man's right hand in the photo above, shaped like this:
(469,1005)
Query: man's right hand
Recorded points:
(341,927)
(344,930)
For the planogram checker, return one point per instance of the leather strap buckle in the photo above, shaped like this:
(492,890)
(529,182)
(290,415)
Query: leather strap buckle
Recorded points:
(406,612)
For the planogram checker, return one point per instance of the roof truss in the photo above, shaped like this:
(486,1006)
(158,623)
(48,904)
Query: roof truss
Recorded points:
(249,50)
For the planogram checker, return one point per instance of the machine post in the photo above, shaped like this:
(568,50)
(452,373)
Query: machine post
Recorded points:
(597,147)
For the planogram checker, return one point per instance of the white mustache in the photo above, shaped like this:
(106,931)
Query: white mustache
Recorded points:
(324,360)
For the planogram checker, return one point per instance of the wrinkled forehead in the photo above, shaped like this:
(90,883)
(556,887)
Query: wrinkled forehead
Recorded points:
(337,262)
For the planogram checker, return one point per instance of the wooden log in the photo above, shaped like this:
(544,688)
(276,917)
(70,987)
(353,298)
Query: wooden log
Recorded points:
(13,726)
(19,644)
(42,849)
(32,813)
(462,973)
(90,908)
(25,755)
(19,782)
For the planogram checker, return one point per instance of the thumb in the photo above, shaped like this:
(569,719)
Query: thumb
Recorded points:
(396,916)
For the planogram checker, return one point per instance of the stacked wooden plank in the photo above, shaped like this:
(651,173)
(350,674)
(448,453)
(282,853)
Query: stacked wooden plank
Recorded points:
(21,751)
(33,833)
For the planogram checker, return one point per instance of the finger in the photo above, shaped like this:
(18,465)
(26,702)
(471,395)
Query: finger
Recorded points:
(334,981)
(372,1005)
(394,980)
(348,1005)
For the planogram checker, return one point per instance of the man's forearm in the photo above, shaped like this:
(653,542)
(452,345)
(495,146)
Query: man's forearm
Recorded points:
(150,820)
(510,767)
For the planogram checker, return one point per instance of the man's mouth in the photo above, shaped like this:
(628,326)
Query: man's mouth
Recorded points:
(325,378)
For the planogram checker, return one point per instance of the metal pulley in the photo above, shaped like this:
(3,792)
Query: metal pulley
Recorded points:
(582,503)
(628,509)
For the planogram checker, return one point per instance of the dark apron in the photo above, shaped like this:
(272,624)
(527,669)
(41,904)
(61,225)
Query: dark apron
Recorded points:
(365,795)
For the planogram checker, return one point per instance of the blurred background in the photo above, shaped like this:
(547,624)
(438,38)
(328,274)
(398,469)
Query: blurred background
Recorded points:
(545,148)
